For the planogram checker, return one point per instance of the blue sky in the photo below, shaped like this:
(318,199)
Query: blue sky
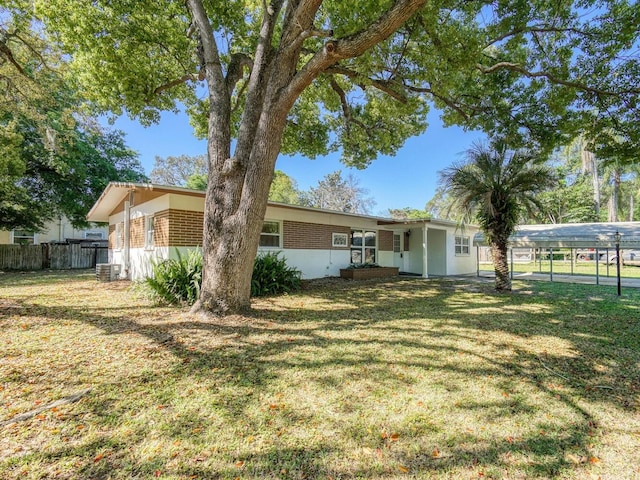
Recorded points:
(408,179)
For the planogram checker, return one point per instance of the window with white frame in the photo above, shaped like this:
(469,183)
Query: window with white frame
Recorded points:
(24,237)
(462,245)
(396,242)
(118,234)
(363,246)
(93,235)
(339,239)
(271,234)
(149,231)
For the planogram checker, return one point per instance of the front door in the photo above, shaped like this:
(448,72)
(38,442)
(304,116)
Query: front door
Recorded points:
(398,261)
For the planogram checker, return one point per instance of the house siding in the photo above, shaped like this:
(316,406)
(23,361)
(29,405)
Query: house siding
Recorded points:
(310,236)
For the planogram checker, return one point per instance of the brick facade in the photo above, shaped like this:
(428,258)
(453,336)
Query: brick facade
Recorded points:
(385,241)
(310,235)
(136,234)
(185,227)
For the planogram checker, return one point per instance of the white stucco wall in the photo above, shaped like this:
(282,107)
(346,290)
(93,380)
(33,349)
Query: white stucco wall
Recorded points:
(461,264)
(315,263)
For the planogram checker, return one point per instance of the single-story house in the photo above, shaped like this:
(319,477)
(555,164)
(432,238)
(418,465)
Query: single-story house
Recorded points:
(150,222)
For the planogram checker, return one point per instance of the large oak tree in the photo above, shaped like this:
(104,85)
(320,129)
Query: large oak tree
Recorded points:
(311,76)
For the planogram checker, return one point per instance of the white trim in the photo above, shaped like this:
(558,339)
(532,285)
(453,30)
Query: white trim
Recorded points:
(149,232)
(463,243)
(279,235)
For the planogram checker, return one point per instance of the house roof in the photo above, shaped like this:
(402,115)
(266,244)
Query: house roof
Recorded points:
(572,235)
(116,192)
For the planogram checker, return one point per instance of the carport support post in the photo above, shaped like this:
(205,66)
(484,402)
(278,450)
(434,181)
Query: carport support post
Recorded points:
(477,260)
(617,238)
(551,264)
(597,260)
(425,262)
(511,252)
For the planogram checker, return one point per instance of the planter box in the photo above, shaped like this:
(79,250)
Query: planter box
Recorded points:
(367,273)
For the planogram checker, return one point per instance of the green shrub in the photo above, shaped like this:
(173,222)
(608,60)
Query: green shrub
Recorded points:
(272,275)
(177,281)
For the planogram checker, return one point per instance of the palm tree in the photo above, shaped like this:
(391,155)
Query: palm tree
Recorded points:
(495,186)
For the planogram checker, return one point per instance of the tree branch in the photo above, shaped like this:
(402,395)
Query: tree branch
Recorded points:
(514,67)
(446,100)
(351,46)
(235,71)
(381,85)
(209,53)
(536,29)
(8,54)
(346,109)
(189,77)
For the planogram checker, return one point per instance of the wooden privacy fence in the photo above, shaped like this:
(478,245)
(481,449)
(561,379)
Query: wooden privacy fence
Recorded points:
(57,256)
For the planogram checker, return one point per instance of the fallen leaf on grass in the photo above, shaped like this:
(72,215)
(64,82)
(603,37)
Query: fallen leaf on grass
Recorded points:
(435,453)
(574,458)
(403,469)
(239,464)
(594,460)
(394,437)
(98,458)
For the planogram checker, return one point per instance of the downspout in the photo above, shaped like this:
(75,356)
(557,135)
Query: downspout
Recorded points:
(127,234)
(425,263)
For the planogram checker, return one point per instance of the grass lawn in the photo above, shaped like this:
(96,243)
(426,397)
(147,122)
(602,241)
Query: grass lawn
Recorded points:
(392,379)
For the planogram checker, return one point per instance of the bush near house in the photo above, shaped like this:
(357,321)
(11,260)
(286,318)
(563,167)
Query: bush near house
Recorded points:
(272,275)
(177,281)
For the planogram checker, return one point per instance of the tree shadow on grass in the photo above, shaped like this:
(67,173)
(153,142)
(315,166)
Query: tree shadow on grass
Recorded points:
(382,337)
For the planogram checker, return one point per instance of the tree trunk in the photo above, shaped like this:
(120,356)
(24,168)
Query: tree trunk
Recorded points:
(501,266)
(590,165)
(615,195)
(238,185)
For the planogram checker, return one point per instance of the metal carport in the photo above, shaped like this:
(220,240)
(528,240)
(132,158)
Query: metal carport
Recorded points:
(598,236)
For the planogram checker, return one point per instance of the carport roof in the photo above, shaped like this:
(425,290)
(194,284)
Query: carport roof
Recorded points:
(574,235)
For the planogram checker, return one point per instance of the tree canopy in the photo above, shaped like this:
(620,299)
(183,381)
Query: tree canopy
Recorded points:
(177,170)
(335,192)
(53,159)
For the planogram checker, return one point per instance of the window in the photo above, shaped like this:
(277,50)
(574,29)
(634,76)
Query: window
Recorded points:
(93,235)
(24,237)
(149,231)
(339,239)
(363,246)
(396,242)
(462,245)
(118,235)
(270,235)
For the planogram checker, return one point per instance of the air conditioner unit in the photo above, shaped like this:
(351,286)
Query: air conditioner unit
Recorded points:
(107,272)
